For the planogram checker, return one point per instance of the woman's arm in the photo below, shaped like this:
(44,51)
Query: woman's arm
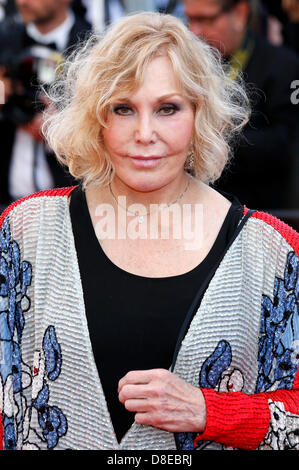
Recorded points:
(268,420)
(234,419)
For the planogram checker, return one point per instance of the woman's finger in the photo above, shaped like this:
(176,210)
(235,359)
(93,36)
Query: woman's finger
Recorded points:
(142,377)
(130,391)
(137,405)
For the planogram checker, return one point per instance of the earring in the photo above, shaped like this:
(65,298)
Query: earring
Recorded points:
(189,163)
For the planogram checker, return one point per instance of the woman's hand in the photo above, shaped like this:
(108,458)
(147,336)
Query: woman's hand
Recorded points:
(161,399)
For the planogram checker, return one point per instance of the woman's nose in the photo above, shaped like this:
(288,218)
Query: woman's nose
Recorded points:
(145,132)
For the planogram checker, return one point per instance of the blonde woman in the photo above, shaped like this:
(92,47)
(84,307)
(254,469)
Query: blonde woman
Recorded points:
(142,309)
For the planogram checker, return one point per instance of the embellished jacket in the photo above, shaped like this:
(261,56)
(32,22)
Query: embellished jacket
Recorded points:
(241,346)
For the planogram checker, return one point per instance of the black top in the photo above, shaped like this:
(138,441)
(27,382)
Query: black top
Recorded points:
(134,321)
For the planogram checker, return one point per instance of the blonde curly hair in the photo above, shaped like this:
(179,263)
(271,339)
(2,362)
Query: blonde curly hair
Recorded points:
(105,66)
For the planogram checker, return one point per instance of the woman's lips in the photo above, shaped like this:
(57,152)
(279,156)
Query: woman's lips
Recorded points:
(145,162)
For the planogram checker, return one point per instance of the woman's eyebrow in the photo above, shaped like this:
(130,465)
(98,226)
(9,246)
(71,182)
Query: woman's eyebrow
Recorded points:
(169,95)
(158,99)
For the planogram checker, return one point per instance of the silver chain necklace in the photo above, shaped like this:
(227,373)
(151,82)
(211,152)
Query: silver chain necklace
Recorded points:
(141,218)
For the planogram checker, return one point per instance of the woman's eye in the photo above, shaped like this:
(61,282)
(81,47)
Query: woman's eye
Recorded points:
(122,110)
(168,110)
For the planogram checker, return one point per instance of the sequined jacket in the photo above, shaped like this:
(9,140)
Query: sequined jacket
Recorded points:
(241,347)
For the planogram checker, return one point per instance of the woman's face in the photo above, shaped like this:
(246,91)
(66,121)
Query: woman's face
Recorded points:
(149,133)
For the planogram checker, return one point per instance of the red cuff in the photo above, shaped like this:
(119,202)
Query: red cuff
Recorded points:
(235,419)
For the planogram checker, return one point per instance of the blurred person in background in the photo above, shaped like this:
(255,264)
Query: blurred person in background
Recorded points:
(101,13)
(282,22)
(291,29)
(7,7)
(265,154)
(33,44)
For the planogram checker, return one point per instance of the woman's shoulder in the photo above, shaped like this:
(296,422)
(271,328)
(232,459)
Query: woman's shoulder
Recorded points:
(265,224)
(33,204)
(263,231)
(272,228)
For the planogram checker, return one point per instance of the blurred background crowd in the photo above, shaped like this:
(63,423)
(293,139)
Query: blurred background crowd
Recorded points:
(257,38)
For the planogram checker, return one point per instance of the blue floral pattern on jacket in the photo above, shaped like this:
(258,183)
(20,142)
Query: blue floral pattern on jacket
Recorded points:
(211,375)
(279,345)
(15,375)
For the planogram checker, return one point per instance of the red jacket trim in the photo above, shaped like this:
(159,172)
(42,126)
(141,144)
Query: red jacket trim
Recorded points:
(49,192)
(288,233)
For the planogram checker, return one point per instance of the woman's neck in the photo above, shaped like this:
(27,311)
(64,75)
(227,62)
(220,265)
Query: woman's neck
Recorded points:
(169,193)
